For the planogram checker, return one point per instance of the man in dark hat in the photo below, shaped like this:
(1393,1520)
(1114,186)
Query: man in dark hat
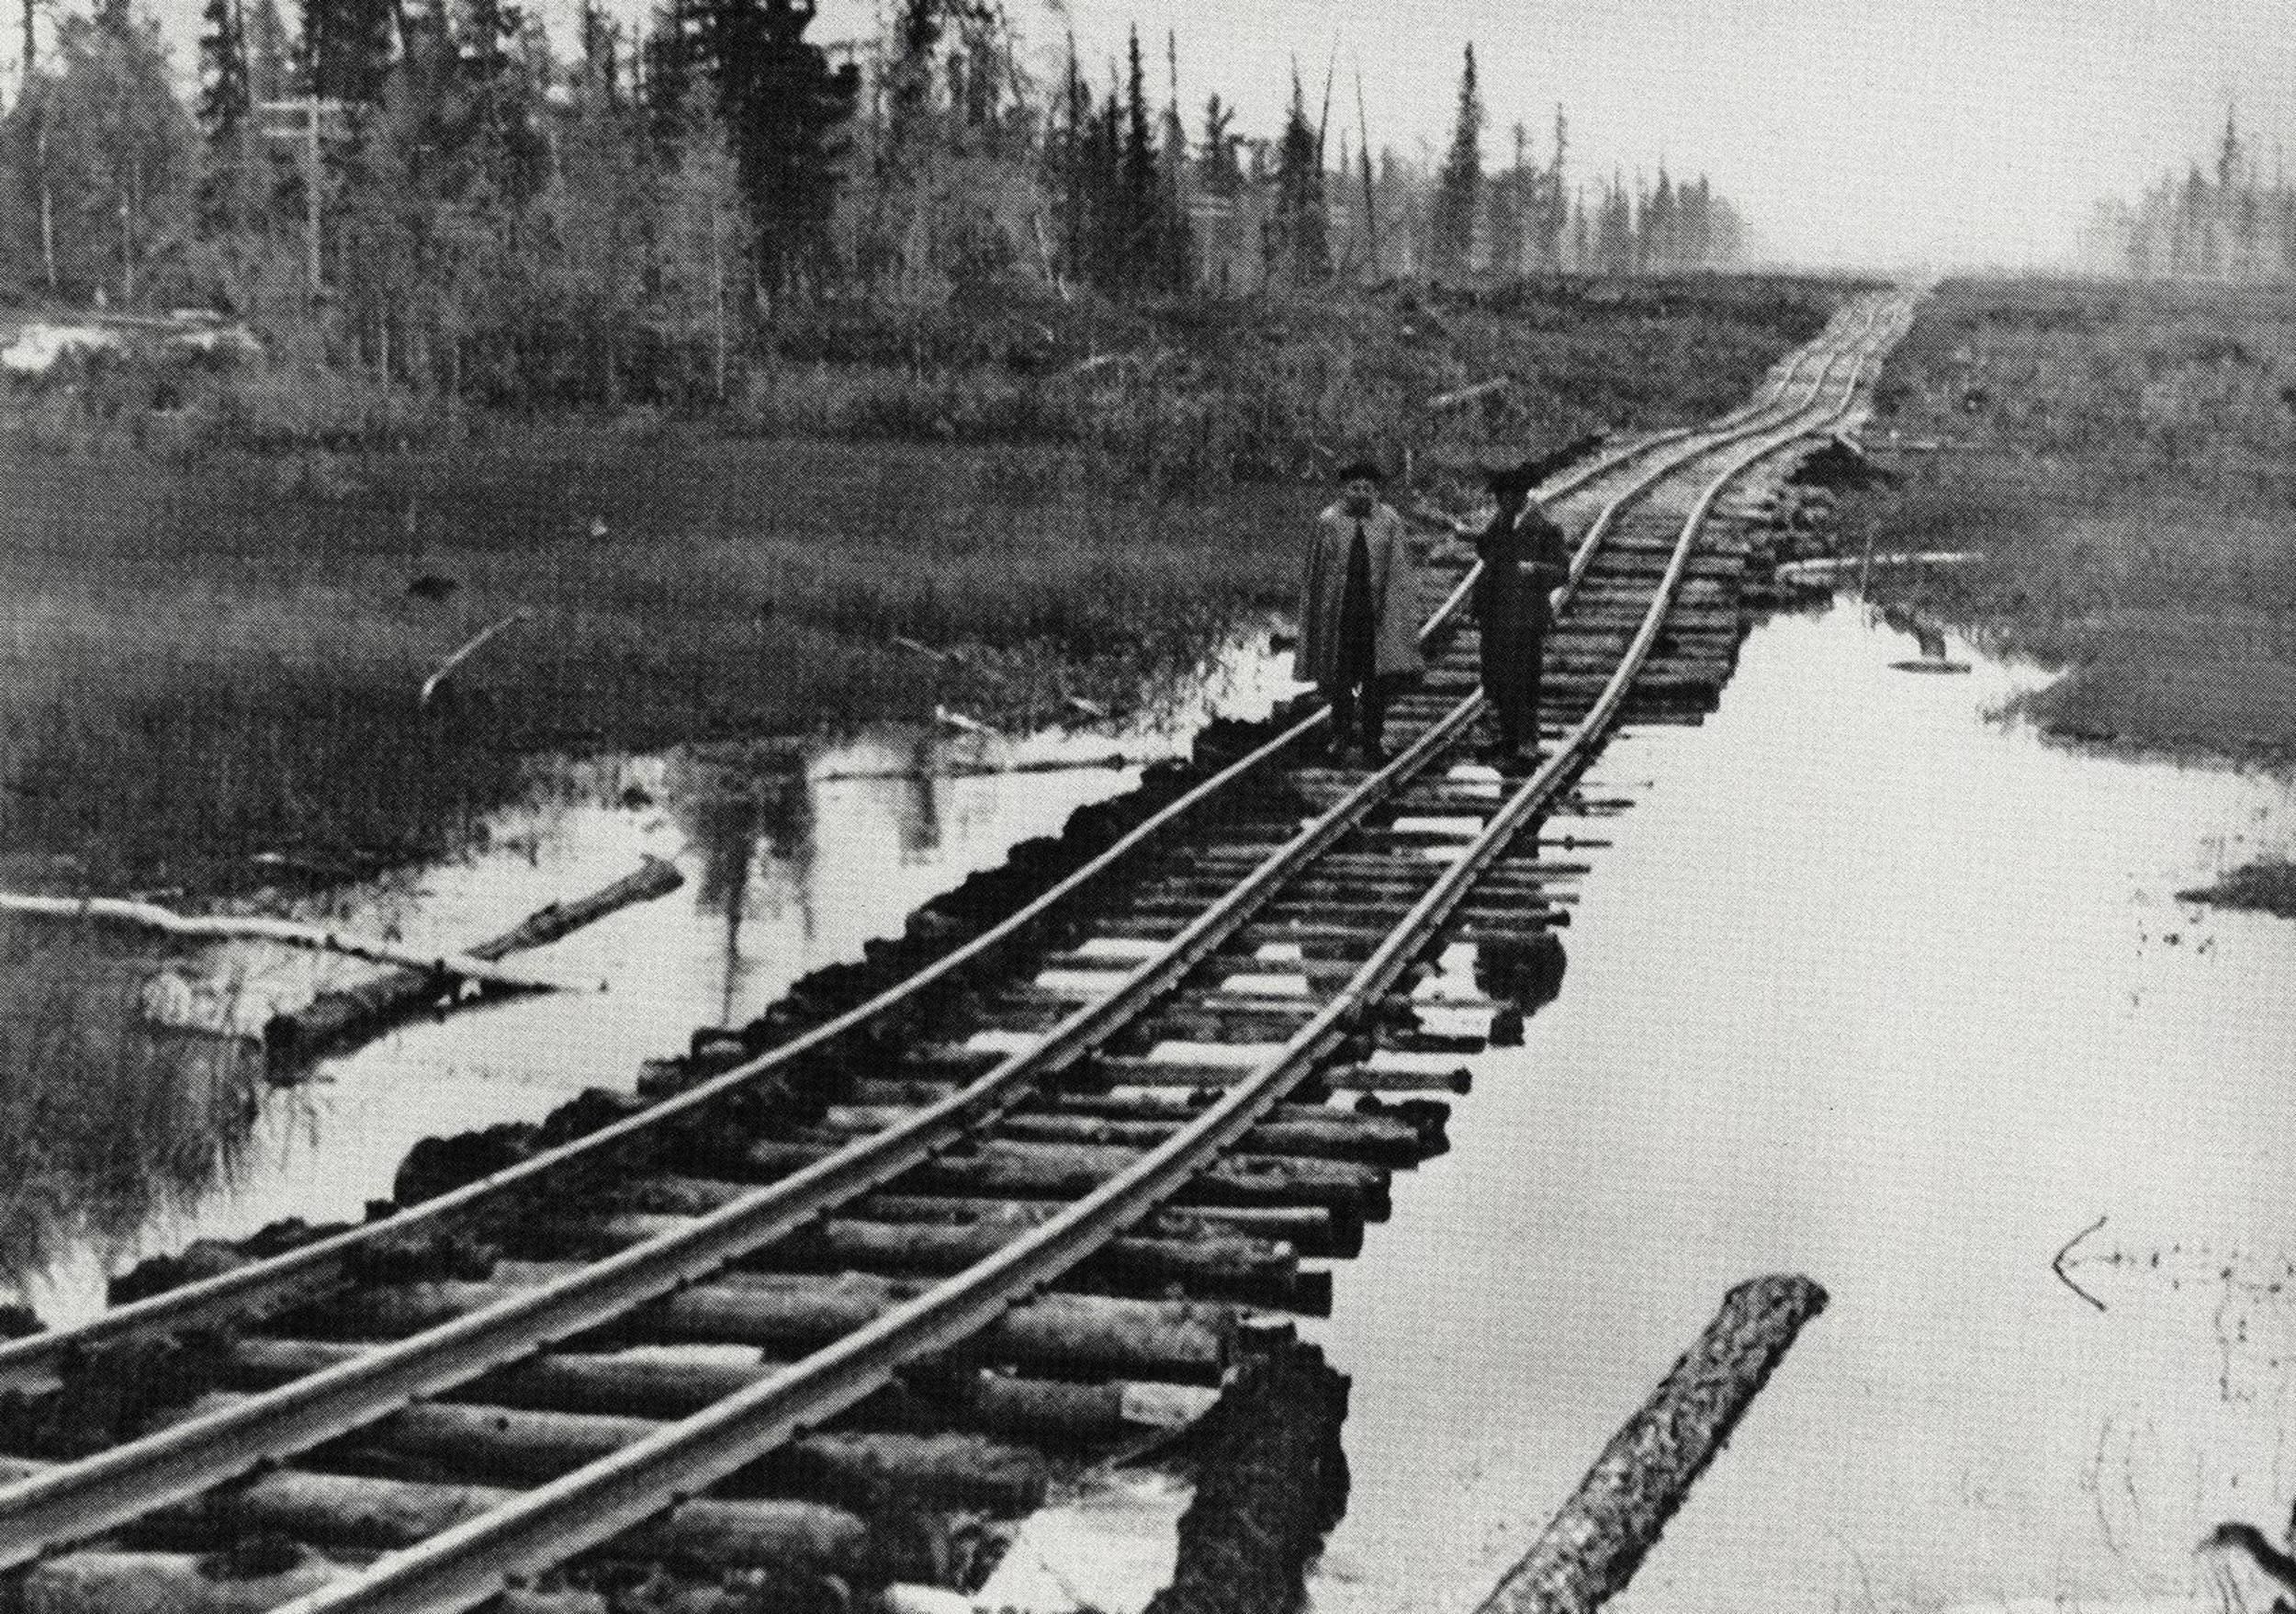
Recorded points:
(1359,609)
(1525,558)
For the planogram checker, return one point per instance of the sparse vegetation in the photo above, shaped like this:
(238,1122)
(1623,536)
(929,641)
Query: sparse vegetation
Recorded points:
(2123,455)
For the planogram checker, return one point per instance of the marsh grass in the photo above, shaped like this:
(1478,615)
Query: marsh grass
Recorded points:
(104,1120)
(2126,457)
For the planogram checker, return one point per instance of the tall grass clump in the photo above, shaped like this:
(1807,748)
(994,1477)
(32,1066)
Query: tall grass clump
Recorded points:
(106,1120)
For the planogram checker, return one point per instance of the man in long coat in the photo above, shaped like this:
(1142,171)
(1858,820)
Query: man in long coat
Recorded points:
(1525,558)
(1359,610)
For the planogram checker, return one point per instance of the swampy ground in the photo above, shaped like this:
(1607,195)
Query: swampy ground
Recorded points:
(224,593)
(2121,457)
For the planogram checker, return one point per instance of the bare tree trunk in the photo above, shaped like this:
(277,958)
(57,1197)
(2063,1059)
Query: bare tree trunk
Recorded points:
(47,191)
(717,289)
(310,196)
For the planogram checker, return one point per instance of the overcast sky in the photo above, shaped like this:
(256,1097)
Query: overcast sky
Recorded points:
(1885,133)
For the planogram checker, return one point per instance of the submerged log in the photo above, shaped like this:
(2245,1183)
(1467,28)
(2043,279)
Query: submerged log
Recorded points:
(1182,1341)
(1593,1547)
(149,916)
(342,1018)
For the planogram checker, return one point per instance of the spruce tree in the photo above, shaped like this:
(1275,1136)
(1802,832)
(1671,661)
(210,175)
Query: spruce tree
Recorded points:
(785,109)
(1298,233)
(1216,168)
(1661,226)
(225,111)
(1458,188)
(225,93)
(270,53)
(1140,196)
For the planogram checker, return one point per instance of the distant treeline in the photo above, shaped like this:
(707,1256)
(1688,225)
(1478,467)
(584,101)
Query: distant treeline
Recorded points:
(2227,222)
(429,192)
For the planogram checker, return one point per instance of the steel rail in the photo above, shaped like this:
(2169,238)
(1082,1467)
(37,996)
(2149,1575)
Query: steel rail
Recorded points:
(311,1271)
(479,1559)
(1773,398)
(72,1502)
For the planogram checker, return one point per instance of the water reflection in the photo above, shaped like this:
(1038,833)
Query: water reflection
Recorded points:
(1524,973)
(1874,986)
(791,864)
(127,1089)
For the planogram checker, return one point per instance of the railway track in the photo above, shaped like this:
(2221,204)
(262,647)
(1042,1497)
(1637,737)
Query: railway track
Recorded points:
(1084,1150)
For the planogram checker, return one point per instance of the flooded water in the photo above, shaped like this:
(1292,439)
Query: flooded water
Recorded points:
(1873,988)
(786,870)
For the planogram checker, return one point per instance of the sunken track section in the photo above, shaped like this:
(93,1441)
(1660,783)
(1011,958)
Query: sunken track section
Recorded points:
(931,1250)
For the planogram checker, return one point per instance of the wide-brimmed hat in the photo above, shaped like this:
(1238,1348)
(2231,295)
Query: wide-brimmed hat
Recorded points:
(1507,471)
(1361,470)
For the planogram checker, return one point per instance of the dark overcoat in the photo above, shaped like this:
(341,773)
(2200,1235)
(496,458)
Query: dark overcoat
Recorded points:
(1524,561)
(1396,605)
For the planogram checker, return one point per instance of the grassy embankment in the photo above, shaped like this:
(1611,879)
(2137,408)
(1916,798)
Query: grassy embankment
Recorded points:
(2126,458)
(209,648)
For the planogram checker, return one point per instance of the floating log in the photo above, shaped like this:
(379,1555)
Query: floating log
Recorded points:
(1183,1340)
(149,916)
(346,1016)
(1591,1549)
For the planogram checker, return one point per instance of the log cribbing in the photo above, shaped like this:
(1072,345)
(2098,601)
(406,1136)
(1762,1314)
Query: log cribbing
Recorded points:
(340,1019)
(1591,1548)
(1053,1411)
(1181,1340)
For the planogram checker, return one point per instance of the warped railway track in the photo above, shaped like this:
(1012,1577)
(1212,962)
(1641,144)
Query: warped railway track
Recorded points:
(1092,1164)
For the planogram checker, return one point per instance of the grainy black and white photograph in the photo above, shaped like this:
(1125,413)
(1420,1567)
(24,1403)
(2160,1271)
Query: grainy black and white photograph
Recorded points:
(1134,806)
